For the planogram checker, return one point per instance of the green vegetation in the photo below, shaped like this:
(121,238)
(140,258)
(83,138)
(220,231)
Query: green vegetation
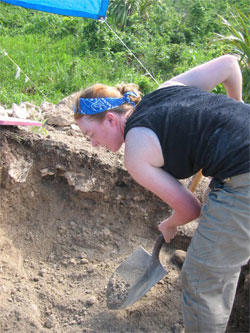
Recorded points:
(61,55)
(239,40)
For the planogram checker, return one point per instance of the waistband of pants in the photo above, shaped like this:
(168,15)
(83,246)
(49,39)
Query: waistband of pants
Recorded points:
(238,180)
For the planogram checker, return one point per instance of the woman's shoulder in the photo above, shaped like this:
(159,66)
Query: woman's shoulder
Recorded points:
(142,144)
(165,91)
(170,83)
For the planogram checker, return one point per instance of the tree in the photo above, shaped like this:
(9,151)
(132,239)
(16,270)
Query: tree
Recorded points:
(239,42)
(121,10)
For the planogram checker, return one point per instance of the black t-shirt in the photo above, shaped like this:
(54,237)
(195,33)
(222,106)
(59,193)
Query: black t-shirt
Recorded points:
(197,130)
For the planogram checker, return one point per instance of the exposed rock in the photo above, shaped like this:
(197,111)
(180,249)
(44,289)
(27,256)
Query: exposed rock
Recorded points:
(3,112)
(84,261)
(75,127)
(20,111)
(57,116)
(83,182)
(30,107)
(68,101)
(47,107)
(73,261)
(47,172)
(19,169)
(24,110)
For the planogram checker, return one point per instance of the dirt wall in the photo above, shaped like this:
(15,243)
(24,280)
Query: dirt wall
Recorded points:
(68,218)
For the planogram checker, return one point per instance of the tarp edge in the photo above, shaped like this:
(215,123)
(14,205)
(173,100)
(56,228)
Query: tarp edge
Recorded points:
(65,12)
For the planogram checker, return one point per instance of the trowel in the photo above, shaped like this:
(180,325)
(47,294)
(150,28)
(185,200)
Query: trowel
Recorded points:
(135,276)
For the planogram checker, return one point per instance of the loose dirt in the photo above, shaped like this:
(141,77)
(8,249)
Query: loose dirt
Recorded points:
(117,291)
(68,217)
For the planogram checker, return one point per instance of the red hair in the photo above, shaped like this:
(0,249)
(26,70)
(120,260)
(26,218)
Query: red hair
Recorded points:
(102,90)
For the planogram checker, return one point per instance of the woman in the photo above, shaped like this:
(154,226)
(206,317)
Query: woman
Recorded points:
(171,134)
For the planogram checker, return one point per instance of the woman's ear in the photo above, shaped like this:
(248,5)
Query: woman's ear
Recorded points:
(111,118)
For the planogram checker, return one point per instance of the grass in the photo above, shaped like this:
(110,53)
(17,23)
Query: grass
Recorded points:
(61,55)
(54,69)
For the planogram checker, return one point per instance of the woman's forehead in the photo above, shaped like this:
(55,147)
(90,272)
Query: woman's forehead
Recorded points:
(86,124)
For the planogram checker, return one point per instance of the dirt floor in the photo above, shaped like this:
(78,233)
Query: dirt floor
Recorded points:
(68,217)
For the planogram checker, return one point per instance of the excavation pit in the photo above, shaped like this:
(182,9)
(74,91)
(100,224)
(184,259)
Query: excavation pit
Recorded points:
(69,216)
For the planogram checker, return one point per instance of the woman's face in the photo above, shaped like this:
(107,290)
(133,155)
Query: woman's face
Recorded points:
(107,133)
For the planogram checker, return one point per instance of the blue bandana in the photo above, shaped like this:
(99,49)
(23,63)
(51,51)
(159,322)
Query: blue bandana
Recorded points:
(92,106)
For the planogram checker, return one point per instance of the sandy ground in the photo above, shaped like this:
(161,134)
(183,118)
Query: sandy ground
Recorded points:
(68,218)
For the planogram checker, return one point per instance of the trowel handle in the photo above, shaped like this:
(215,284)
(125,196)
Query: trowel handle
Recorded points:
(158,244)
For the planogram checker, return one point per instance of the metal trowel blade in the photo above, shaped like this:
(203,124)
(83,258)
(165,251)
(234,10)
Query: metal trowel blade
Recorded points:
(133,278)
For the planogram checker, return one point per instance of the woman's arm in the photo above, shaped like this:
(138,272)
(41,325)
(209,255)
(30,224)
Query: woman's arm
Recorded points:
(225,70)
(143,159)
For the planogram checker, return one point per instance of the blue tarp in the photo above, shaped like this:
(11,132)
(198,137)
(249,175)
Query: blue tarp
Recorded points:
(94,9)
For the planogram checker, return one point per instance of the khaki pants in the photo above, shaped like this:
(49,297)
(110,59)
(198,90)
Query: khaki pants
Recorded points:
(220,246)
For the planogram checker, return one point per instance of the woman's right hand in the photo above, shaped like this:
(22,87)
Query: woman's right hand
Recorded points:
(168,231)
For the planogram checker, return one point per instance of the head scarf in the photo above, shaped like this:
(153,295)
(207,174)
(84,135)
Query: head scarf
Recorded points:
(91,106)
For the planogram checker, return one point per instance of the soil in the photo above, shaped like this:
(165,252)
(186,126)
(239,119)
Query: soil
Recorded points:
(117,291)
(68,217)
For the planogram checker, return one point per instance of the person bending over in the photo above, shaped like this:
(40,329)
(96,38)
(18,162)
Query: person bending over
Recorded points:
(170,134)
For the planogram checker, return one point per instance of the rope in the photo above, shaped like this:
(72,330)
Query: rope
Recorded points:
(19,70)
(105,21)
